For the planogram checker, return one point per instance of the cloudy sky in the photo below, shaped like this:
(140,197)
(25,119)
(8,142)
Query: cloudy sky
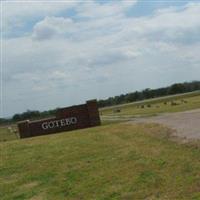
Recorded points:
(60,53)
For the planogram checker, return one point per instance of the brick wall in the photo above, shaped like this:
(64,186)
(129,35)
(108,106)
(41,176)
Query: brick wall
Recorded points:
(66,119)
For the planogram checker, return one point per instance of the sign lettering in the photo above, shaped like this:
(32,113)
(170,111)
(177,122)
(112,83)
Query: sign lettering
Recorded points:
(59,123)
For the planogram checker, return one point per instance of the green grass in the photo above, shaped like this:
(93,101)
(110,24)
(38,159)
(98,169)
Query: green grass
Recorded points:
(117,161)
(157,106)
(6,134)
(114,161)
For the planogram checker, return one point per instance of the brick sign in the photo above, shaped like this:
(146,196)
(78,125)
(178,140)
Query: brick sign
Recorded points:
(66,119)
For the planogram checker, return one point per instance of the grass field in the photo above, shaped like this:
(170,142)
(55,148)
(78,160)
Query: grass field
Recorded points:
(117,161)
(6,134)
(156,106)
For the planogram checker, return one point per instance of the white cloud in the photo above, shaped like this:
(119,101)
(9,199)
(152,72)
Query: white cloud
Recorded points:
(17,14)
(171,24)
(52,26)
(92,9)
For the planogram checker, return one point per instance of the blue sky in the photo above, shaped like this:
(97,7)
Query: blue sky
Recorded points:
(60,53)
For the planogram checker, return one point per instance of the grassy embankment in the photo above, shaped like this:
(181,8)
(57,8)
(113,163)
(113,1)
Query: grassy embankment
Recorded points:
(117,161)
(183,102)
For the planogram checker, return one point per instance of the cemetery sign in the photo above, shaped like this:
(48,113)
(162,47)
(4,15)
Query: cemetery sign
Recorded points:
(66,119)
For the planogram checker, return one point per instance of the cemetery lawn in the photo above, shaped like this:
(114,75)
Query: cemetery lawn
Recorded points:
(154,106)
(115,161)
(6,134)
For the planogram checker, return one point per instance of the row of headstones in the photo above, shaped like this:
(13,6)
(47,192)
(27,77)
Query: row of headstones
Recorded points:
(172,103)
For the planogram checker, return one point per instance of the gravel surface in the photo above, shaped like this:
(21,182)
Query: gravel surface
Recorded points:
(186,124)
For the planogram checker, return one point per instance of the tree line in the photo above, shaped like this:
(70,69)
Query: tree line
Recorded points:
(29,114)
(148,93)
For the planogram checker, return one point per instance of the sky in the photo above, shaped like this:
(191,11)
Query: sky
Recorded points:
(61,53)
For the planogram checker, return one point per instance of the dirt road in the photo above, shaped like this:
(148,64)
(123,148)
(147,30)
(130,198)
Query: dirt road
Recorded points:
(185,124)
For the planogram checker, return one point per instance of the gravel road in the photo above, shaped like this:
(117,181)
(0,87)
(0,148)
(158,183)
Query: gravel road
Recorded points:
(186,124)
